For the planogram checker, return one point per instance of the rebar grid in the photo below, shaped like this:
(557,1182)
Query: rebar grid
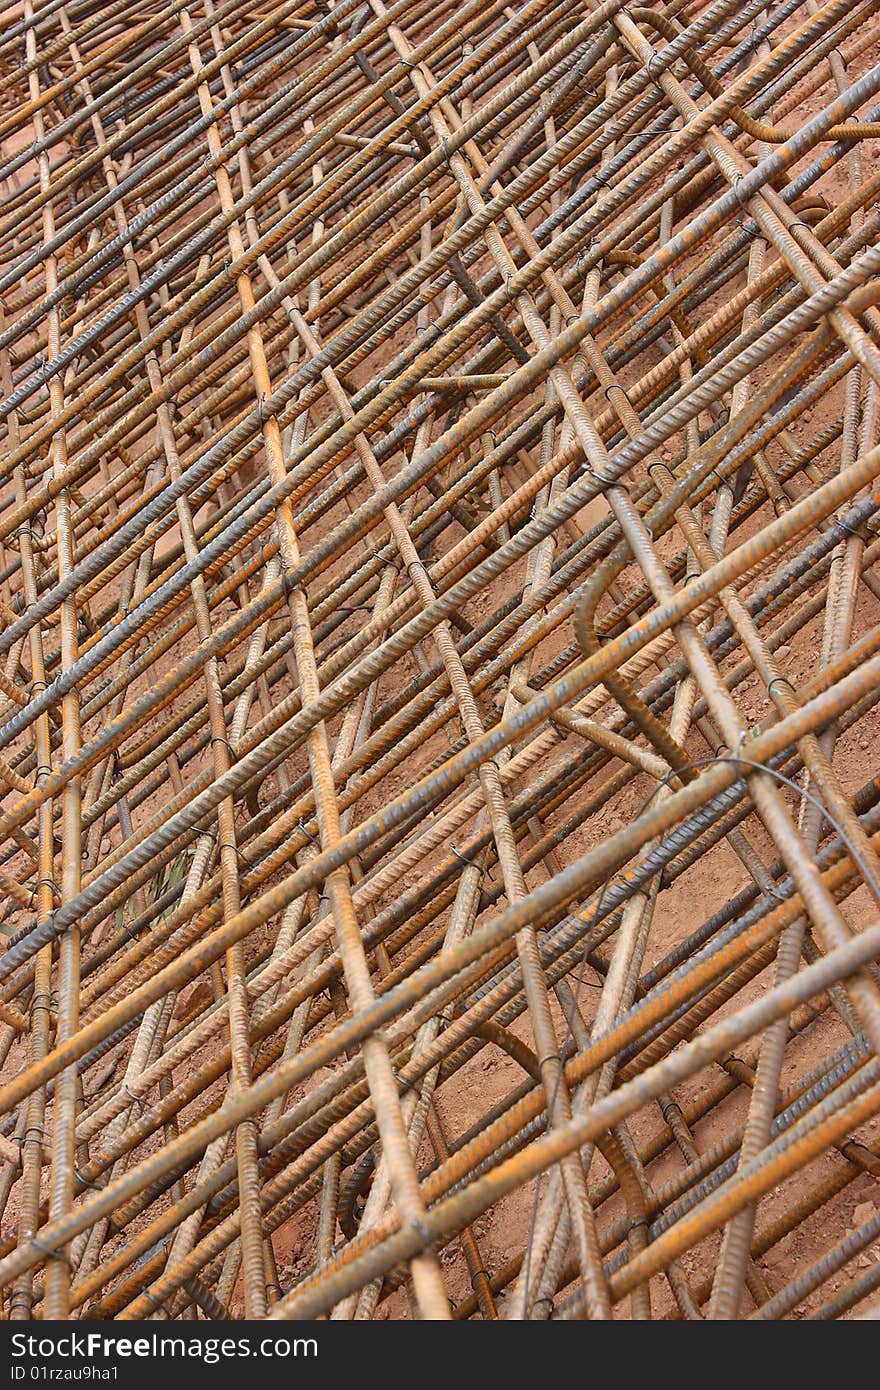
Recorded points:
(441,833)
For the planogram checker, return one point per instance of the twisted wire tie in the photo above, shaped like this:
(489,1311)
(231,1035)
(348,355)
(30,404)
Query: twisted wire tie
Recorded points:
(42,1000)
(136,1100)
(238,852)
(616,386)
(392,561)
(774,891)
(86,1182)
(850,530)
(50,1252)
(601,478)
(464,858)
(736,755)
(289,585)
(402,1081)
(735,186)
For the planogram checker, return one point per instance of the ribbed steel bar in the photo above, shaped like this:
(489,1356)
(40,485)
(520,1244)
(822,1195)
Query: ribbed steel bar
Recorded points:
(440,644)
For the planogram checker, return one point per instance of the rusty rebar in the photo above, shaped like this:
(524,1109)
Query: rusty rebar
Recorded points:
(440,659)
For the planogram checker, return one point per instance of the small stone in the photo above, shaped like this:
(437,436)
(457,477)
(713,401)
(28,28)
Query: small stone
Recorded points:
(783,651)
(863,1213)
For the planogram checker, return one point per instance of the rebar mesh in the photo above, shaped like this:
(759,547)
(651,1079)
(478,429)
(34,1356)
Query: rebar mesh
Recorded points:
(440,659)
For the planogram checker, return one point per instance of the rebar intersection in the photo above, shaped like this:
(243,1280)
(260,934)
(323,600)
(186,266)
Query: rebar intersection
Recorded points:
(440,660)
